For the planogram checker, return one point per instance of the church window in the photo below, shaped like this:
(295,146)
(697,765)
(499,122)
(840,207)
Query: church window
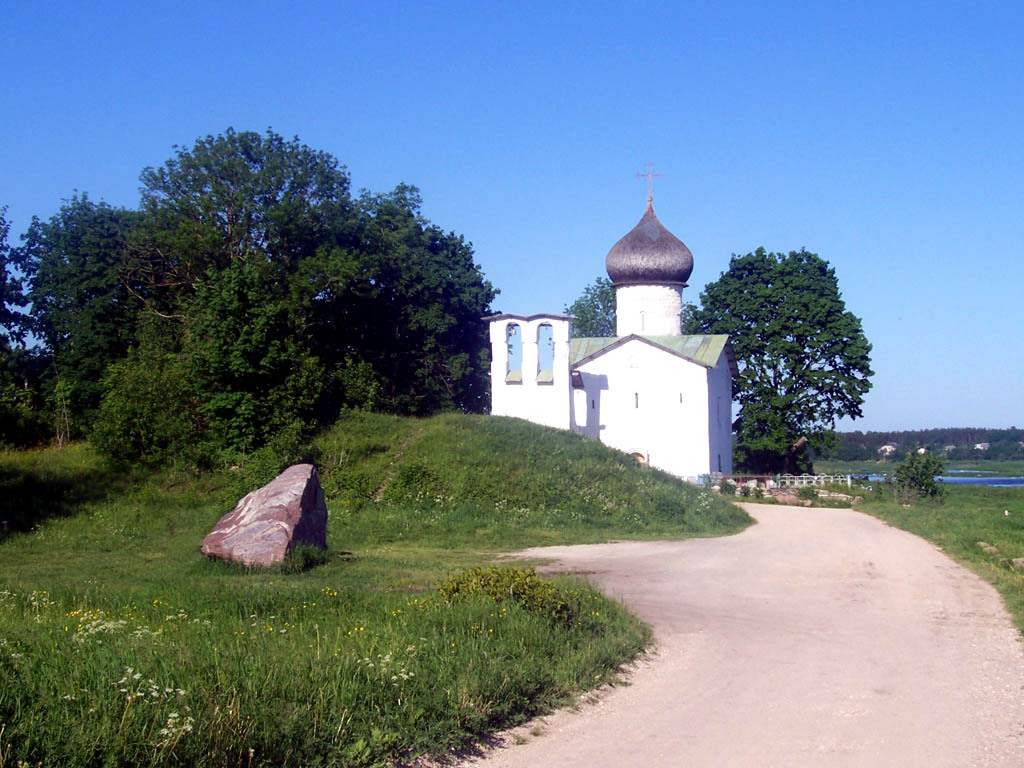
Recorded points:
(545,354)
(636,399)
(577,380)
(593,404)
(680,397)
(514,339)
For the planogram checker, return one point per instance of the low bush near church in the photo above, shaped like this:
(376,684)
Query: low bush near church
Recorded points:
(807,493)
(521,586)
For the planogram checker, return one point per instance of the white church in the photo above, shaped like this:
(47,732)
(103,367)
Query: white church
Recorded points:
(649,391)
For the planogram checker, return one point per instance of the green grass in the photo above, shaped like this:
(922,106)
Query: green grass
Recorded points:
(967,515)
(121,645)
(500,483)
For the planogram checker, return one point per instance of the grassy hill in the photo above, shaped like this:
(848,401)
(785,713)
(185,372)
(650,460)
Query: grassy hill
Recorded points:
(120,644)
(501,483)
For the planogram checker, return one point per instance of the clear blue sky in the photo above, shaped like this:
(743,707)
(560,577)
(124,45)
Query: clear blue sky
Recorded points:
(887,137)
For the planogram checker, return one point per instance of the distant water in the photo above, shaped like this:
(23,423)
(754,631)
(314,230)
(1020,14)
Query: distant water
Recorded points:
(997,482)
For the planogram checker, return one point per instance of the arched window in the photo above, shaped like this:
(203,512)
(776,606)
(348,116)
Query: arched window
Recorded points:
(545,354)
(514,339)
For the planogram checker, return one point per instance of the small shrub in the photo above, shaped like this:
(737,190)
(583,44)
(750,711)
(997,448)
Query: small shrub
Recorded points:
(286,447)
(915,477)
(520,585)
(147,414)
(745,491)
(727,488)
(758,493)
(20,423)
(807,493)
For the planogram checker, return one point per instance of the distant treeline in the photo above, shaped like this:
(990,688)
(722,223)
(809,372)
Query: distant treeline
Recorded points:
(953,443)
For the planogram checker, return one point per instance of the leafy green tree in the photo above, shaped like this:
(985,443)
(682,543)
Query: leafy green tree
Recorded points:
(289,300)
(150,408)
(11,294)
(399,317)
(594,310)
(248,357)
(81,311)
(915,476)
(234,197)
(803,358)
(20,420)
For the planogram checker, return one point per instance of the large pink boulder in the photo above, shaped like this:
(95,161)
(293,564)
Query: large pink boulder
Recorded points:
(268,522)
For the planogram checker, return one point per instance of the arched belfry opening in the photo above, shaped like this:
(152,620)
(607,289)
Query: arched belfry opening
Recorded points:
(545,353)
(514,342)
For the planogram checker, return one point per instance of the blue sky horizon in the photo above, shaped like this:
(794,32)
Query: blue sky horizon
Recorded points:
(884,137)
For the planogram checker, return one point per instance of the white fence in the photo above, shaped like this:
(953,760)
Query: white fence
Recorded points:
(777,481)
(801,481)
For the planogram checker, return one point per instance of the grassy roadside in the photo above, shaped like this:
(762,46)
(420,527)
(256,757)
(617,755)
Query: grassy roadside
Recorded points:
(120,644)
(968,515)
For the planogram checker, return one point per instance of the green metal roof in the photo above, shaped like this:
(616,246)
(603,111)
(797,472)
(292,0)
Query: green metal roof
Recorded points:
(703,349)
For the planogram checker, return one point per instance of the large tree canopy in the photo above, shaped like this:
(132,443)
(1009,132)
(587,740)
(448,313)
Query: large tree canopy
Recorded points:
(80,310)
(251,296)
(11,295)
(594,311)
(235,197)
(803,358)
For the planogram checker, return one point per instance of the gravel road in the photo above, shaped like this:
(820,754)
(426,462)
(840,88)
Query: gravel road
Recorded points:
(818,637)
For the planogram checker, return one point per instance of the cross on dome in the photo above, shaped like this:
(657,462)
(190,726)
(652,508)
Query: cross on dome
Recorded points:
(650,176)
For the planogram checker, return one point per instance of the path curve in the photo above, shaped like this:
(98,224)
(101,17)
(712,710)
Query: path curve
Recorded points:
(819,637)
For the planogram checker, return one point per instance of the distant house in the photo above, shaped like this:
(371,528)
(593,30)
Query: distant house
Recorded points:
(887,450)
(948,448)
(922,451)
(981,446)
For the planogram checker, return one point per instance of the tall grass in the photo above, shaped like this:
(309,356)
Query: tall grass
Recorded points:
(121,645)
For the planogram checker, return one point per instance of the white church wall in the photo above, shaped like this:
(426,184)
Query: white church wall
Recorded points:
(641,399)
(720,416)
(541,396)
(648,310)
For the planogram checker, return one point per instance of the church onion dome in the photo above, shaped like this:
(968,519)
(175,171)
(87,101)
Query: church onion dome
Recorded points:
(649,255)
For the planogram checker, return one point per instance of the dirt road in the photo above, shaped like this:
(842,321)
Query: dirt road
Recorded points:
(816,638)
